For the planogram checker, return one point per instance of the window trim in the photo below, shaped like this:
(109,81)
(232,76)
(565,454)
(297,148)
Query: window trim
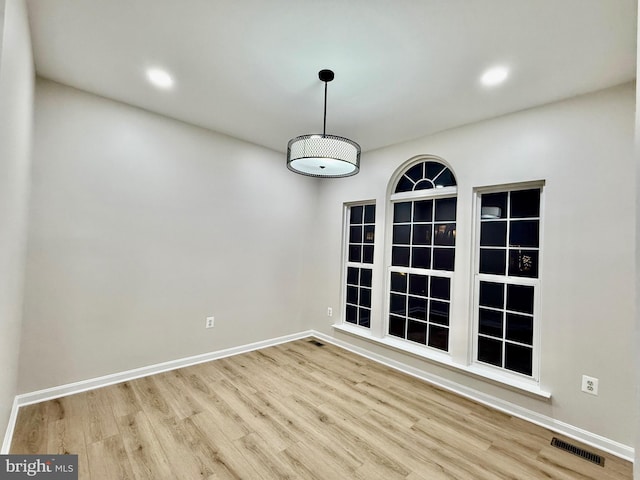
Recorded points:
(346,209)
(476,277)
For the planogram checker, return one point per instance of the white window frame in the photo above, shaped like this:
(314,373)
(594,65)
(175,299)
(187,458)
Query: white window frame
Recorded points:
(346,264)
(476,277)
(392,198)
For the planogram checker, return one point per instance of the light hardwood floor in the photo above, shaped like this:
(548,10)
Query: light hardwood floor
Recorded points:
(294,411)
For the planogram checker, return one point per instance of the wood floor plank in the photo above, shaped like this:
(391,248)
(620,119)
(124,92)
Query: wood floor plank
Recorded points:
(181,449)
(143,448)
(123,399)
(230,462)
(99,420)
(295,410)
(66,436)
(108,460)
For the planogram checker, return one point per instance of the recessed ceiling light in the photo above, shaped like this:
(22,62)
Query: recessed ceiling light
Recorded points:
(160,78)
(494,76)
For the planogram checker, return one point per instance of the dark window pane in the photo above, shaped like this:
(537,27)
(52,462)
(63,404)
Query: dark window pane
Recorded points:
(421,257)
(493,234)
(352,314)
(494,200)
(520,298)
(523,263)
(400,256)
(520,328)
(404,185)
(439,337)
(365,297)
(440,288)
(418,285)
(445,179)
(490,322)
(490,351)
(416,173)
(365,277)
(401,234)
(352,275)
(367,254)
(365,317)
(418,308)
(402,212)
(355,235)
(443,259)
(423,211)
(356,214)
(493,261)
(518,358)
(445,209)
(417,332)
(355,253)
(369,233)
(432,169)
(398,282)
(352,295)
(422,234)
(524,233)
(439,312)
(398,304)
(492,294)
(396,326)
(525,203)
(423,185)
(369,214)
(445,234)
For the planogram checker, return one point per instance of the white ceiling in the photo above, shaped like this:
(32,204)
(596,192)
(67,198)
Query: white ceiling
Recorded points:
(404,68)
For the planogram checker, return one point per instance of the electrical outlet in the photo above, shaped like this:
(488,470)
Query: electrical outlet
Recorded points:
(590,385)
(209,323)
(329,312)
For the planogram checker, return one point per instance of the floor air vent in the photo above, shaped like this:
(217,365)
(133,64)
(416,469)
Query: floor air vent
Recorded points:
(580,452)
(316,343)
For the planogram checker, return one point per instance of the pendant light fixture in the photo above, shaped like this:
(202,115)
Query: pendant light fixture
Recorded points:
(322,155)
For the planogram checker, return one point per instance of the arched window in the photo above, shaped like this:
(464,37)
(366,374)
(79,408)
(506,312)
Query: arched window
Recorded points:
(425,176)
(422,255)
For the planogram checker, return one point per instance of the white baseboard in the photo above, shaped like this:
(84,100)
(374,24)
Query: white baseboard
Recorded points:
(6,444)
(615,448)
(597,441)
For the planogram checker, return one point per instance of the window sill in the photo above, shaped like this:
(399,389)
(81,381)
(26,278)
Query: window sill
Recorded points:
(442,359)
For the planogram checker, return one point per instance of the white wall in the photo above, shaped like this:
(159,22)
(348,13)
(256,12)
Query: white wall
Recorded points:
(16,94)
(583,149)
(140,227)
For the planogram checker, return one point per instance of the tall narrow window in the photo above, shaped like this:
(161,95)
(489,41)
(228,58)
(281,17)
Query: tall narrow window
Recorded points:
(360,234)
(507,279)
(422,254)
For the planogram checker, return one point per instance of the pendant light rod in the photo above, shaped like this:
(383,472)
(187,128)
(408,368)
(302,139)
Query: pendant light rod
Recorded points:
(324,124)
(326,76)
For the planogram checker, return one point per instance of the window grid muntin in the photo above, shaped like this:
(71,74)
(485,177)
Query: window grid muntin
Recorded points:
(359,216)
(506,279)
(508,220)
(429,299)
(433,245)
